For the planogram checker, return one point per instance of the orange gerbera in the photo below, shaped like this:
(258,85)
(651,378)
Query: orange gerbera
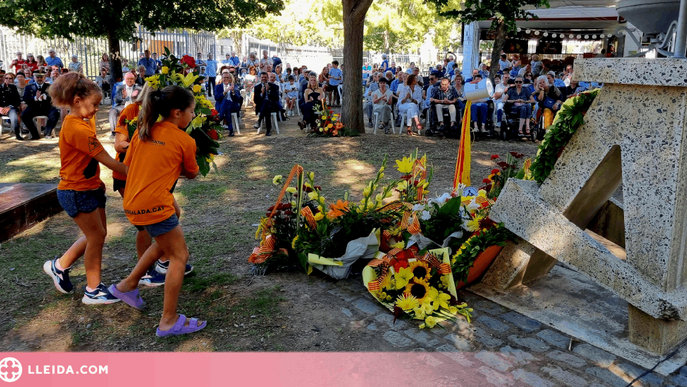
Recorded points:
(337,209)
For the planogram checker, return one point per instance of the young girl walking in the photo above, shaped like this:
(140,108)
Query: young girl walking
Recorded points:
(81,192)
(149,203)
(156,274)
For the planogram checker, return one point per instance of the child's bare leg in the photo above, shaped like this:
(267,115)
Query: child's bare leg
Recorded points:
(94,227)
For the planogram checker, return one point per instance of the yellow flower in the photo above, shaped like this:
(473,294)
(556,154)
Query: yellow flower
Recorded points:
(277,179)
(311,176)
(293,242)
(420,270)
(212,157)
(405,166)
(322,201)
(472,224)
(402,277)
(198,122)
(398,245)
(482,193)
(407,302)
(419,289)
(208,160)
(164,70)
(431,321)
(402,186)
(293,204)
(422,326)
(312,195)
(196,88)
(291,190)
(442,301)
(452,309)
(419,313)
(367,191)
(319,216)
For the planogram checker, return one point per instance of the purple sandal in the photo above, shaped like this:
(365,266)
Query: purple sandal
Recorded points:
(133,298)
(180,329)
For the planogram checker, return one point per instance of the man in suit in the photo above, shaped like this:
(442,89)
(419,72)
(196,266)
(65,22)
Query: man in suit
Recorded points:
(10,103)
(228,99)
(39,103)
(266,100)
(123,97)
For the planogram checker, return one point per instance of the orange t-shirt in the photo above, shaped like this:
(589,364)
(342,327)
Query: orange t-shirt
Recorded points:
(154,166)
(129,113)
(78,144)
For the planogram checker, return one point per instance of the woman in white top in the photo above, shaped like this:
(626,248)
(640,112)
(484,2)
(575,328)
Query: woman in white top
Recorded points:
(105,62)
(408,103)
(249,82)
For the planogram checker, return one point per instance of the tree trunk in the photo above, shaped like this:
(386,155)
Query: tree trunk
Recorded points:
(115,58)
(499,42)
(354,22)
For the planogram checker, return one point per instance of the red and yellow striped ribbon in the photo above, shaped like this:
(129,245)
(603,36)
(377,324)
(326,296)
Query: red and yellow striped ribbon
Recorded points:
(462,174)
(309,217)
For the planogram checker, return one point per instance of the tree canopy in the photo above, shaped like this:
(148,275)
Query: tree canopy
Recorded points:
(390,25)
(119,18)
(502,13)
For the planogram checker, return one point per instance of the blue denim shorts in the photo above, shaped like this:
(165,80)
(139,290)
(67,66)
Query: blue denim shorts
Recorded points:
(74,202)
(163,227)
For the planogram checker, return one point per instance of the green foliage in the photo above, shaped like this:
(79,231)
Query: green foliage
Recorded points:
(119,19)
(567,121)
(444,220)
(504,12)
(465,259)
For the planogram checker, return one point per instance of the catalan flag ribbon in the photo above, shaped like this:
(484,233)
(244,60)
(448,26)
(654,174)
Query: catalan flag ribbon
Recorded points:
(462,174)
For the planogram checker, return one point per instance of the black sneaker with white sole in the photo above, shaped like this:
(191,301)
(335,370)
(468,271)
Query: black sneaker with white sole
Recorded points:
(100,295)
(59,277)
(162,267)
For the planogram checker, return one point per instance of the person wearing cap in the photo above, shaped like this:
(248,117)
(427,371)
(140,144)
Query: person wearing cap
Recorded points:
(123,97)
(53,60)
(75,65)
(18,64)
(149,63)
(38,103)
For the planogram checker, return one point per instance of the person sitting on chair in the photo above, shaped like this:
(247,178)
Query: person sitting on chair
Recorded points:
(382,100)
(123,97)
(266,99)
(520,98)
(228,100)
(314,98)
(10,104)
(444,96)
(479,108)
(37,98)
(548,98)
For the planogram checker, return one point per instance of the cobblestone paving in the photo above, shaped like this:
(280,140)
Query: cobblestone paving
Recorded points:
(505,347)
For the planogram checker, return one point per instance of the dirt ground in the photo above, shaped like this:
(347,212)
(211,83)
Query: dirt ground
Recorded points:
(276,312)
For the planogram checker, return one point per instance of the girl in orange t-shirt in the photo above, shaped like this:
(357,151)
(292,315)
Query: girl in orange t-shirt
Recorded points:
(122,141)
(81,192)
(149,203)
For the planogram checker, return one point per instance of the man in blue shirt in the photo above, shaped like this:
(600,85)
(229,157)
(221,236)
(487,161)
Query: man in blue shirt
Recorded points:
(228,60)
(53,60)
(211,73)
(235,59)
(148,62)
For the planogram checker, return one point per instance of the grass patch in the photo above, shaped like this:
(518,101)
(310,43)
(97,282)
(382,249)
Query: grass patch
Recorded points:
(199,284)
(265,303)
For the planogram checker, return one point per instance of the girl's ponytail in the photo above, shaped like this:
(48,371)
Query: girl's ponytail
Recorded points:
(160,103)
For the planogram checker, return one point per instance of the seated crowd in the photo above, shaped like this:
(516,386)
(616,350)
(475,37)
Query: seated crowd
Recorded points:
(530,92)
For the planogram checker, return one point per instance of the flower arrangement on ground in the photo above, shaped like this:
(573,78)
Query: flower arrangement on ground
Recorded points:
(423,289)
(329,124)
(205,128)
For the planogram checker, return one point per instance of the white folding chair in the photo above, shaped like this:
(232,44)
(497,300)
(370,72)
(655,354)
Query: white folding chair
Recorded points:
(275,122)
(392,121)
(235,119)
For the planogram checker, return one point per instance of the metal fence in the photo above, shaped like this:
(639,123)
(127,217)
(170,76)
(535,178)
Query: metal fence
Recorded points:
(89,51)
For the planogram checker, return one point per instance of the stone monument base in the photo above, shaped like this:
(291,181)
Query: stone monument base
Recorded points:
(575,305)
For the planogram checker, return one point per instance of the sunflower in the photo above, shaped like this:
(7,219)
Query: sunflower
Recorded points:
(407,302)
(420,270)
(418,288)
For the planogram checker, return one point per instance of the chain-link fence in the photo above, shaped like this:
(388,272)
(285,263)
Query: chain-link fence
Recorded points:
(89,51)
